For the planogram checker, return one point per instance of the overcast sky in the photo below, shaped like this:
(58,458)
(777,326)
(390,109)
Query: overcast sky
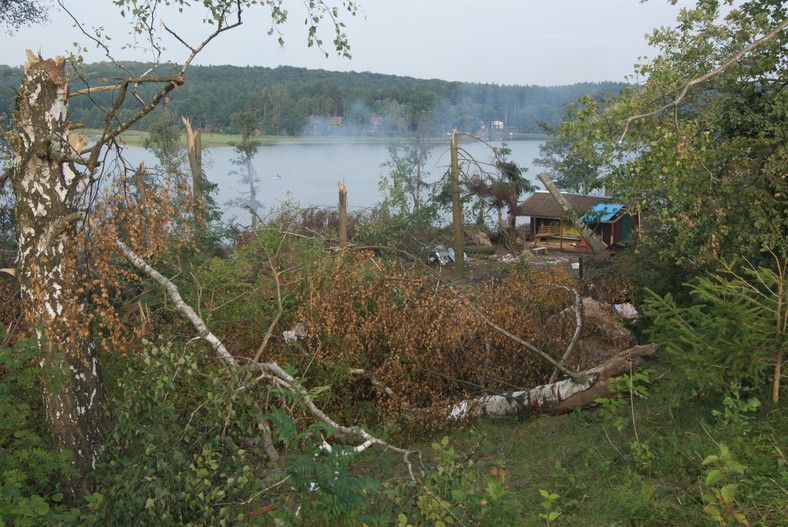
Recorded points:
(541,42)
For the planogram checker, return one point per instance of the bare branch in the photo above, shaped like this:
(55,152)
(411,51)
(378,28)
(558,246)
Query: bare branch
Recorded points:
(182,306)
(578,329)
(280,307)
(523,343)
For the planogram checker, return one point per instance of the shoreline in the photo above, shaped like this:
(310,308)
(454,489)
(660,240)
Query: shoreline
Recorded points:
(213,140)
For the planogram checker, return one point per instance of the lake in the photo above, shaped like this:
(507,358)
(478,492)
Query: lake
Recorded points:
(307,174)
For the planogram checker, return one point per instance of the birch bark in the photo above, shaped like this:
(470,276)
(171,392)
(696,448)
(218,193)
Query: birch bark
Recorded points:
(49,191)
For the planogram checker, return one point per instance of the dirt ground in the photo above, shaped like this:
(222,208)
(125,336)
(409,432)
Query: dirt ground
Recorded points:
(478,266)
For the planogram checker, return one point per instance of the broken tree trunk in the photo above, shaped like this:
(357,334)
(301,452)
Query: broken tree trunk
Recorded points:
(49,192)
(342,215)
(597,245)
(456,208)
(194,149)
(558,397)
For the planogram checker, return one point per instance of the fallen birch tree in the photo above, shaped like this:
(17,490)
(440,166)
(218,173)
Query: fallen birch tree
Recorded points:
(557,397)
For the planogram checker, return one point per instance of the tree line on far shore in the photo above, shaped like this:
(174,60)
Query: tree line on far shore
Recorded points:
(299,101)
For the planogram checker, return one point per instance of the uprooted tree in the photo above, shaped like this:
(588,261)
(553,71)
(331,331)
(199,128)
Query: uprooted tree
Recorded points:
(55,178)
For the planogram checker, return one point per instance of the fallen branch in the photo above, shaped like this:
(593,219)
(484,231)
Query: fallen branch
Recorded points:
(269,371)
(559,397)
(560,367)
(703,78)
(578,330)
(375,382)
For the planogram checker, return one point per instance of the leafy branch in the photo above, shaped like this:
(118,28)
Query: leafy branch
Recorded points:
(674,104)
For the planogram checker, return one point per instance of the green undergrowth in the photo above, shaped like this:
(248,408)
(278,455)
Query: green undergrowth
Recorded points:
(655,473)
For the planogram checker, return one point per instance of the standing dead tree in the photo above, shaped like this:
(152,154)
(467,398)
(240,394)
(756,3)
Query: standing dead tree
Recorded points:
(194,149)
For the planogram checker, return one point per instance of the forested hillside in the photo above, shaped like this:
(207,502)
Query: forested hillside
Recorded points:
(296,101)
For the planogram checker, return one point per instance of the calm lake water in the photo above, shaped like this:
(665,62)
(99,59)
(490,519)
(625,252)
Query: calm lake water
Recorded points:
(308,174)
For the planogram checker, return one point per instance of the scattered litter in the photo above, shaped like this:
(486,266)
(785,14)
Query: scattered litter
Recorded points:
(626,310)
(442,255)
(511,258)
(298,332)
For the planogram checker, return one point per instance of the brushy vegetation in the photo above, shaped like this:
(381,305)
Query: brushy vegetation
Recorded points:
(377,339)
(186,442)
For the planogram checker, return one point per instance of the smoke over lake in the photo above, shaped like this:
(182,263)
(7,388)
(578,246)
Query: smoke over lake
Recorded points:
(307,174)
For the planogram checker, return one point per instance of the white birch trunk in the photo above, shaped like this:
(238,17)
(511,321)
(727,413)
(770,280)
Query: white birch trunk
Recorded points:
(558,397)
(48,193)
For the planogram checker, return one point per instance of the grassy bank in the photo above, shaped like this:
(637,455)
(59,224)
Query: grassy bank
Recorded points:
(137,138)
(643,466)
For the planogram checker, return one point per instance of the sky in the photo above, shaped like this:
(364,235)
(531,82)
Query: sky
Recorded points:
(506,42)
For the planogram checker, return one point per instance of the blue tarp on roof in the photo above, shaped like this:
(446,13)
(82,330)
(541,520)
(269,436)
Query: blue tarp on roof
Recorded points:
(601,213)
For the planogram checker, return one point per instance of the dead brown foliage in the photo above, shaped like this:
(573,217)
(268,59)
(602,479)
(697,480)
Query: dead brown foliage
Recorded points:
(427,342)
(152,217)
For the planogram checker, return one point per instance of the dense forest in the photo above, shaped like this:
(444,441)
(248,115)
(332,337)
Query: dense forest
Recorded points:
(298,101)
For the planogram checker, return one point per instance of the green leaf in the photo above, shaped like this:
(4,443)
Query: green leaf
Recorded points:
(710,459)
(713,512)
(728,492)
(316,391)
(713,477)
(39,506)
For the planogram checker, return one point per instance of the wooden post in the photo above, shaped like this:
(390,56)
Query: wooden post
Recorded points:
(194,149)
(456,209)
(561,233)
(597,245)
(342,215)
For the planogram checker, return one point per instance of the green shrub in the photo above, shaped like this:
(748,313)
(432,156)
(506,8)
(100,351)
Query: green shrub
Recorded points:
(720,497)
(29,468)
(457,490)
(184,445)
(733,333)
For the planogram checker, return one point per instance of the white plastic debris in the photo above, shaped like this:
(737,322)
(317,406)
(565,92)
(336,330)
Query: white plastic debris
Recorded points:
(626,310)
(298,332)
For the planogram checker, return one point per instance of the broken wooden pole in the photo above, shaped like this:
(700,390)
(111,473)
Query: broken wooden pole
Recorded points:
(342,215)
(456,209)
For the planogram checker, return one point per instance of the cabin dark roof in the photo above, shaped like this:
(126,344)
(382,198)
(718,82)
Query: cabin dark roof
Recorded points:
(544,205)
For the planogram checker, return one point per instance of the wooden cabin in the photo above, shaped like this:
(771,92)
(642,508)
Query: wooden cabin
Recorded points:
(548,221)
